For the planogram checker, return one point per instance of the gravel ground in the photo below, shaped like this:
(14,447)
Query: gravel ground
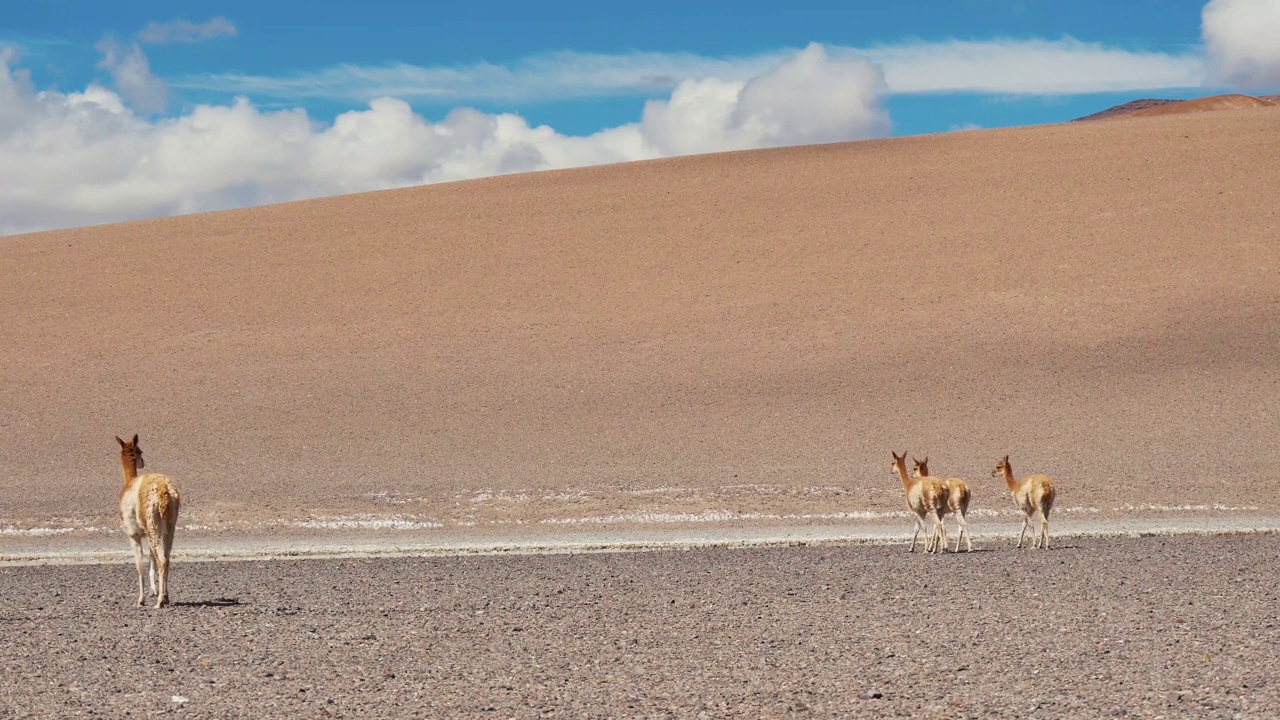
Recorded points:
(1150,627)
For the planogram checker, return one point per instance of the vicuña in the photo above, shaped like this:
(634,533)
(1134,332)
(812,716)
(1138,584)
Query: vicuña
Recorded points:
(1034,495)
(957,501)
(148,506)
(926,497)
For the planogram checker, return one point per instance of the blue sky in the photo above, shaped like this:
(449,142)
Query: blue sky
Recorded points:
(271,101)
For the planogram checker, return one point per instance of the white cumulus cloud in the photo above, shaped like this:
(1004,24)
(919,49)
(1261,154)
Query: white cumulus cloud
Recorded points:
(1242,41)
(809,98)
(87,157)
(185,31)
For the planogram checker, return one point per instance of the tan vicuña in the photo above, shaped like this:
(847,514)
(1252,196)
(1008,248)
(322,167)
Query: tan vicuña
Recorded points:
(957,501)
(1034,495)
(926,497)
(148,506)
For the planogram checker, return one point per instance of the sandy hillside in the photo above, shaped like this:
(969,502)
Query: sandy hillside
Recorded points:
(1125,108)
(739,333)
(1148,107)
(1207,104)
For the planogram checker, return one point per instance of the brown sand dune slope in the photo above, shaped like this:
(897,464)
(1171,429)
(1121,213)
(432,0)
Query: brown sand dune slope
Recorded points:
(747,332)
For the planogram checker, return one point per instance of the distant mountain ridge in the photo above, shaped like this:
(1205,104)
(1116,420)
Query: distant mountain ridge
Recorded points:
(1126,108)
(1158,106)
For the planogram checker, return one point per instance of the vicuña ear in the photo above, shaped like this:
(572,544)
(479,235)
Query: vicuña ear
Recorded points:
(119,441)
(135,439)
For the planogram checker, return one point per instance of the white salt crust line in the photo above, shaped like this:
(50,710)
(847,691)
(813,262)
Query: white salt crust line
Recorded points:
(207,550)
(365,524)
(400,522)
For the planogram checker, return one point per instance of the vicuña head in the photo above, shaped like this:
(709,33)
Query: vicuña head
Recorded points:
(920,468)
(1034,496)
(926,497)
(1003,469)
(957,501)
(148,507)
(131,457)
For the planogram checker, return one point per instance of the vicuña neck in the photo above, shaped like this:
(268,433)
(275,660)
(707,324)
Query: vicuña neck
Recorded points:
(130,468)
(1008,479)
(907,482)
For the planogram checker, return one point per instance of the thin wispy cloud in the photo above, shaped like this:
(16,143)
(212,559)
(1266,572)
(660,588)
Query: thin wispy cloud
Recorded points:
(127,65)
(993,66)
(185,31)
(131,75)
(554,76)
(1030,67)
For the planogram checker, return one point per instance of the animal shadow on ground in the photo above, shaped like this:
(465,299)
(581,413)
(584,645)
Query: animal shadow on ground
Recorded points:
(1055,548)
(998,547)
(215,602)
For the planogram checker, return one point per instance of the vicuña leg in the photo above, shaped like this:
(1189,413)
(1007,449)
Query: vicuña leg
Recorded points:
(1026,525)
(964,533)
(159,567)
(162,597)
(938,543)
(919,527)
(139,560)
(165,550)
(1044,531)
(152,573)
